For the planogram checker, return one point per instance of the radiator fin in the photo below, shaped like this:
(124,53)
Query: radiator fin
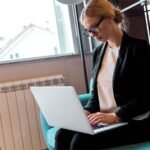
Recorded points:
(25,84)
(20,127)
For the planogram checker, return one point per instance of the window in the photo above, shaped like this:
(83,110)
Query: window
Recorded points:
(36,28)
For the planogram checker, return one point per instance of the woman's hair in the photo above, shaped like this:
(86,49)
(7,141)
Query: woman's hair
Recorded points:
(103,8)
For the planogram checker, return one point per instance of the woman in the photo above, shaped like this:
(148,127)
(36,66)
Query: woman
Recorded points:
(120,81)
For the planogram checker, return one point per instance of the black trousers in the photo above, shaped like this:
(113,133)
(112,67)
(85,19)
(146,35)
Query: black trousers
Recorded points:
(134,132)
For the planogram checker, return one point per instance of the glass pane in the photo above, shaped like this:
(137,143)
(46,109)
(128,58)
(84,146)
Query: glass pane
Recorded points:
(34,28)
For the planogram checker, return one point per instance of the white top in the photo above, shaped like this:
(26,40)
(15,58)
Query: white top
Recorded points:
(104,80)
(104,83)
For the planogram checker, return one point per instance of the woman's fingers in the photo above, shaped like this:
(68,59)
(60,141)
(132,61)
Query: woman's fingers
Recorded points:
(99,117)
(95,118)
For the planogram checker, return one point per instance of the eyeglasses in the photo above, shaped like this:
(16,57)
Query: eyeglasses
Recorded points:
(94,29)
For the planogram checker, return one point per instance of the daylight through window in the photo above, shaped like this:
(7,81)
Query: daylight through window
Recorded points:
(34,28)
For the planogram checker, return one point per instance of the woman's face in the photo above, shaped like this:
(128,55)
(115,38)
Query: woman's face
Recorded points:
(99,28)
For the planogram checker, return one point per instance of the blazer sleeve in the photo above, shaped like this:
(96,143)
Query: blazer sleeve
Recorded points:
(93,103)
(140,104)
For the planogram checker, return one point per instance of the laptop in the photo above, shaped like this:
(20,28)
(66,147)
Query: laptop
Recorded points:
(62,108)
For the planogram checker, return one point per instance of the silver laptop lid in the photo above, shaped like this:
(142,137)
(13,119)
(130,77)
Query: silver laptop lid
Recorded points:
(61,108)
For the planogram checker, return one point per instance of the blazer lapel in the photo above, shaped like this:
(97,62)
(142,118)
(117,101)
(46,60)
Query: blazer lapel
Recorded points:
(118,67)
(99,62)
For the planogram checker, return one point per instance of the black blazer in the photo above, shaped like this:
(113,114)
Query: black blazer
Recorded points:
(131,79)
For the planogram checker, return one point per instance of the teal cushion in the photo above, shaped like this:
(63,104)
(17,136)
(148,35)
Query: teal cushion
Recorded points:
(84,98)
(51,137)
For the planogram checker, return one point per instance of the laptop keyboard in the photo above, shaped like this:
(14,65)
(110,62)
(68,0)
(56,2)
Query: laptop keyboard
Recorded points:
(100,125)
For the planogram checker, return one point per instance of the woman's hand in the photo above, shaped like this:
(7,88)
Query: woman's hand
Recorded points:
(100,117)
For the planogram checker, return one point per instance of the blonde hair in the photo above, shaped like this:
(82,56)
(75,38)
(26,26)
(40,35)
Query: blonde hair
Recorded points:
(102,8)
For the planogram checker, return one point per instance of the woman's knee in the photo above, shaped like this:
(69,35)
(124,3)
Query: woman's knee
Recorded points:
(63,134)
(80,141)
(63,138)
(59,134)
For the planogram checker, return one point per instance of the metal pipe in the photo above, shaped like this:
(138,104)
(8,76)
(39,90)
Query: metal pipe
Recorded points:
(133,5)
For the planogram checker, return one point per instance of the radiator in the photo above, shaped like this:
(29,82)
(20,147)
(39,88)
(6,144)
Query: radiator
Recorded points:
(19,114)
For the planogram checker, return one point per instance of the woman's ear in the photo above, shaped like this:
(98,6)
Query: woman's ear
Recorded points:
(110,18)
